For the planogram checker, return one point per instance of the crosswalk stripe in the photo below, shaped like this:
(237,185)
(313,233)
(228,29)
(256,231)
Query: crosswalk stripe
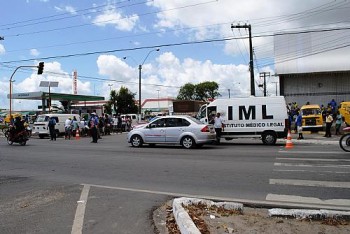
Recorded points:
(310,152)
(311,183)
(316,159)
(308,200)
(309,165)
(310,171)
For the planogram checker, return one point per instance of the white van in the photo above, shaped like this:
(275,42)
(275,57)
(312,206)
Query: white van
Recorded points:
(41,123)
(264,117)
(134,120)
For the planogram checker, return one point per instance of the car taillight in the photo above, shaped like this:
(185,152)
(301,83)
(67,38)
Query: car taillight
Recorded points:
(205,129)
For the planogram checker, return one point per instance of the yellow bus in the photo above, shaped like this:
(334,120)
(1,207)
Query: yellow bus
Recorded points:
(312,118)
(344,110)
(14,115)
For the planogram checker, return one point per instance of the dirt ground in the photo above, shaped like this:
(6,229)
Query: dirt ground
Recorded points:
(252,220)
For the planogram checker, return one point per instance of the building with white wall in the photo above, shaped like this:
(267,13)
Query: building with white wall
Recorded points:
(313,67)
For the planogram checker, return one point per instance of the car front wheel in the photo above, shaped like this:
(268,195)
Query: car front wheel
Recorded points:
(136,141)
(188,142)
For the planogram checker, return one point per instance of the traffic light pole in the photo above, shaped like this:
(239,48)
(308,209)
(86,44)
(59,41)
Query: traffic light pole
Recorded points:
(41,66)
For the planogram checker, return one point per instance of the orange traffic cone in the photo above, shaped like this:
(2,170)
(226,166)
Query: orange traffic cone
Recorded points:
(77,136)
(289,143)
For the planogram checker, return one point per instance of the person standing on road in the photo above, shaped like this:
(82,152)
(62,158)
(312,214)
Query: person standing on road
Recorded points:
(329,121)
(219,127)
(68,128)
(299,124)
(338,122)
(52,124)
(119,125)
(93,127)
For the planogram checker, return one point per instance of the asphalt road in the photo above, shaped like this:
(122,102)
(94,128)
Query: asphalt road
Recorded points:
(72,186)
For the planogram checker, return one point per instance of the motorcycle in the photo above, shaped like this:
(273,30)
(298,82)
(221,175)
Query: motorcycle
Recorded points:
(19,137)
(344,141)
(28,129)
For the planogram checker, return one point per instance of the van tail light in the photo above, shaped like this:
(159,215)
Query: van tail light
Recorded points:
(286,123)
(205,129)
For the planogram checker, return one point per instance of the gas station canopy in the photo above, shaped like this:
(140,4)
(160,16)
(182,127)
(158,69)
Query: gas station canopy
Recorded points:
(55,96)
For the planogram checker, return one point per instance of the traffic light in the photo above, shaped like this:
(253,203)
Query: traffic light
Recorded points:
(41,68)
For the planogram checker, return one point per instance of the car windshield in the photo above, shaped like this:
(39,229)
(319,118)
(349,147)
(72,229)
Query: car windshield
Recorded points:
(311,111)
(42,118)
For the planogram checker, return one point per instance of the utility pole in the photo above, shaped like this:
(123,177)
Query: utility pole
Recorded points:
(263,75)
(251,64)
(229,93)
(276,86)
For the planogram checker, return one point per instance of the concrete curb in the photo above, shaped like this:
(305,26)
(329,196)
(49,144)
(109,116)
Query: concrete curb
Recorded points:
(183,220)
(311,214)
(187,226)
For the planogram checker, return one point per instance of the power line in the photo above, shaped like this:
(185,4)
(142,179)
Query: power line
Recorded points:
(105,21)
(91,10)
(84,77)
(173,44)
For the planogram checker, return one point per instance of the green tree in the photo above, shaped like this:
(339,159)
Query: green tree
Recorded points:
(121,102)
(187,92)
(206,90)
(202,91)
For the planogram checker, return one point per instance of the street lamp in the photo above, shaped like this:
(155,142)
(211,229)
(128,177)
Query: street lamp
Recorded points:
(140,76)
(110,87)
(48,84)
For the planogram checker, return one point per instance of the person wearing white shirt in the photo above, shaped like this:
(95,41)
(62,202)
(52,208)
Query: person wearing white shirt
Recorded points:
(219,127)
(68,128)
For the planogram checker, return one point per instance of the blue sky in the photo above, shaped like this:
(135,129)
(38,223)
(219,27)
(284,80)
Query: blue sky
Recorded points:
(93,37)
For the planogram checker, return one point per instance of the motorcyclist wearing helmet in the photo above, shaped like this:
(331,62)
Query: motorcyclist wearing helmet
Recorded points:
(18,126)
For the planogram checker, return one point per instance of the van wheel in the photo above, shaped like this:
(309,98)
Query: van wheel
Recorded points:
(269,138)
(188,142)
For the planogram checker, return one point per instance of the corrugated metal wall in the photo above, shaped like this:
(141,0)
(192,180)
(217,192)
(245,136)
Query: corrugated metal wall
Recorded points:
(316,88)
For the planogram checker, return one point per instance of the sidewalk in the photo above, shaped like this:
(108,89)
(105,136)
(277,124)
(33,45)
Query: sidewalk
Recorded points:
(314,138)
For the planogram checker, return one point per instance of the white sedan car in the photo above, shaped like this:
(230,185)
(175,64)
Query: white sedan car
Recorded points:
(181,130)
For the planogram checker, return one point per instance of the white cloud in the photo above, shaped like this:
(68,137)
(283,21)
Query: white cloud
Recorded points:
(68,9)
(171,73)
(115,18)
(265,17)
(2,49)
(34,52)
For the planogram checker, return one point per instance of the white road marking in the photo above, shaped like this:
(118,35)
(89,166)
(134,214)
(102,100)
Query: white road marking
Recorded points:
(78,223)
(309,165)
(311,183)
(316,159)
(310,152)
(226,199)
(308,200)
(308,171)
